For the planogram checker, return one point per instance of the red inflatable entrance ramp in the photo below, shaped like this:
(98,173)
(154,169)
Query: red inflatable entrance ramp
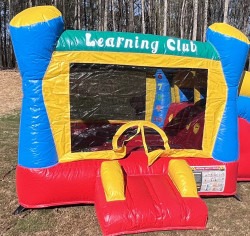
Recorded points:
(152,198)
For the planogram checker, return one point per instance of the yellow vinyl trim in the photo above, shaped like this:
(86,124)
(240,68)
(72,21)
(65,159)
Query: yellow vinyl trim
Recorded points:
(109,121)
(98,155)
(35,15)
(112,181)
(245,85)
(153,155)
(229,30)
(182,176)
(197,95)
(56,96)
(176,94)
(172,94)
(150,97)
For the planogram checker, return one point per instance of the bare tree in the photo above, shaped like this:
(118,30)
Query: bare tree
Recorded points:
(126,14)
(149,11)
(79,14)
(182,21)
(113,14)
(100,15)
(105,23)
(155,17)
(225,18)
(63,8)
(152,9)
(75,14)
(195,4)
(246,18)
(30,3)
(131,16)
(159,17)
(205,20)
(216,8)
(5,55)
(165,15)
(54,2)
(143,25)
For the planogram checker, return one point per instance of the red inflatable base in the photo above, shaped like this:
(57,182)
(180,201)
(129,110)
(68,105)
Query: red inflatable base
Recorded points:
(218,178)
(74,182)
(63,184)
(244,157)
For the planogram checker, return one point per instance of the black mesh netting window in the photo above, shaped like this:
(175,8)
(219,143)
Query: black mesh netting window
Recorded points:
(101,95)
(106,92)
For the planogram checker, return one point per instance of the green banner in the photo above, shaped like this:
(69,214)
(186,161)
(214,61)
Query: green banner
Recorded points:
(78,40)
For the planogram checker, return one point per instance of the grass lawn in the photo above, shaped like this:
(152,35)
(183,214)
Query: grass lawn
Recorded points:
(227,216)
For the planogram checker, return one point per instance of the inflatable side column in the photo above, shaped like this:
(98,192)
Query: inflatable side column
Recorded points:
(232,46)
(34,33)
(244,98)
(244,128)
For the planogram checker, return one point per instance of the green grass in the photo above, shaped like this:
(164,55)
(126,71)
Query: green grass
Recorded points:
(227,216)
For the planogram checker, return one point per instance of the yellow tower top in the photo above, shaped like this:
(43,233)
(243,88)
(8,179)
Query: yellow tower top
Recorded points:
(35,15)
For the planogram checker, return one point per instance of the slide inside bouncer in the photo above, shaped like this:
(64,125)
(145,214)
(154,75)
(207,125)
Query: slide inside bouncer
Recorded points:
(139,125)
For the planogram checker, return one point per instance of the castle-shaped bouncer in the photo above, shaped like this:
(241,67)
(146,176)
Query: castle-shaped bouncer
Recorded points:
(139,125)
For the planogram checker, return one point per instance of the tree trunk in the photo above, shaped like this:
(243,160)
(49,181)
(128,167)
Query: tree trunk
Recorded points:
(105,28)
(246,28)
(63,7)
(113,14)
(100,16)
(131,16)
(75,14)
(165,14)
(205,20)
(79,14)
(182,21)
(225,18)
(149,26)
(120,15)
(153,16)
(55,3)
(5,57)
(143,25)
(84,12)
(77,20)
(195,4)
(92,16)
(159,18)
(10,52)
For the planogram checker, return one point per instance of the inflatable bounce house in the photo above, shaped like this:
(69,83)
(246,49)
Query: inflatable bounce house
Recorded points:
(244,128)
(139,125)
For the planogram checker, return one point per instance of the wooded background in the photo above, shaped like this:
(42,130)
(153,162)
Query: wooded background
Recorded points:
(179,18)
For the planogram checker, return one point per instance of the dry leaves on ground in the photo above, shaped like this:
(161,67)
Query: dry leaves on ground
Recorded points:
(10,91)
